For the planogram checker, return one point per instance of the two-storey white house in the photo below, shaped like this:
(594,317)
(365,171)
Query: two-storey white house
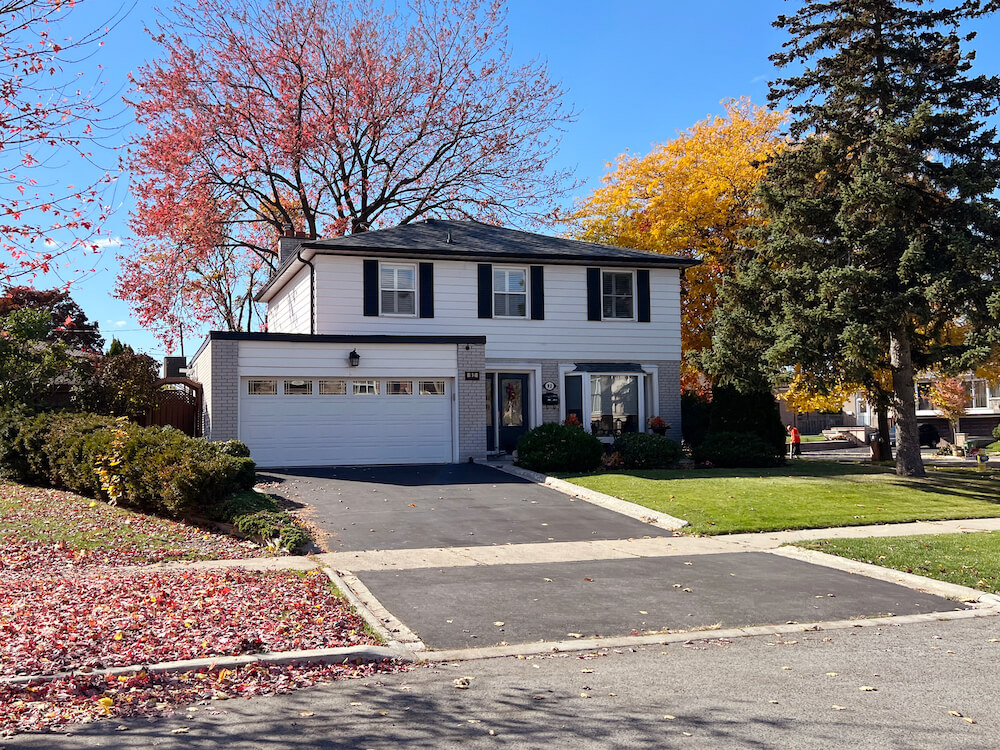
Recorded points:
(444,341)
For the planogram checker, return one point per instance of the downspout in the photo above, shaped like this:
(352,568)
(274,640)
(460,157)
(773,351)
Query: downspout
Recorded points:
(312,289)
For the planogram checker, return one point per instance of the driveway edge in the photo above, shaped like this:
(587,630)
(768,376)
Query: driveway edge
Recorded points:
(909,580)
(381,620)
(608,502)
(542,648)
(341,655)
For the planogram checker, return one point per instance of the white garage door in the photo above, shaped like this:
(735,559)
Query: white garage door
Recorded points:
(289,421)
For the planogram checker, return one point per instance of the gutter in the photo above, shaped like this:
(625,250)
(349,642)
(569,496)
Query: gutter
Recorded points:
(312,289)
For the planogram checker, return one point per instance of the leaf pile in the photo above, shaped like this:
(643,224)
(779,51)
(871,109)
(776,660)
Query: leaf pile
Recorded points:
(51,623)
(45,528)
(84,698)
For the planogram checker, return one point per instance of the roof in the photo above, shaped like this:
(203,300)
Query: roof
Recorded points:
(473,240)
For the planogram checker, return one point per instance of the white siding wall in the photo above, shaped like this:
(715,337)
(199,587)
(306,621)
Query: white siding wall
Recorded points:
(288,311)
(289,358)
(565,332)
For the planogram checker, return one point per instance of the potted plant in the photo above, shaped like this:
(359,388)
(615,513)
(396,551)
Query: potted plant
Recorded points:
(657,426)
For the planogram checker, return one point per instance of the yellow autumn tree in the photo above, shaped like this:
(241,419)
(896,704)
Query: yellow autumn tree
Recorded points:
(692,196)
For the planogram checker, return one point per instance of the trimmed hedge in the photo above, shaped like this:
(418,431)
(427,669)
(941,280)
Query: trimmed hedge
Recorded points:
(152,469)
(738,450)
(641,451)
(558,447)
(274,525)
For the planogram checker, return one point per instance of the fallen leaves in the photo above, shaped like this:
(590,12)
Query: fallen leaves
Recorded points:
(79,698)
(53,623)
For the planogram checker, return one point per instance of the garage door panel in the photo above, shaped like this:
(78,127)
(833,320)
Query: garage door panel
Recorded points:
(307,430)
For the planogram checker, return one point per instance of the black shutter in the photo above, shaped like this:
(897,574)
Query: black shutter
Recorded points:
(642,295)
(426,290)
(485,290)
(537,293)
(371,287)
(593,294)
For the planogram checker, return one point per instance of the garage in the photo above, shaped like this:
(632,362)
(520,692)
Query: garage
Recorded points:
(294,420)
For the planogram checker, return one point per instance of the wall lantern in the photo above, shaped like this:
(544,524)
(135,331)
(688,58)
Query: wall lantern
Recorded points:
(354,358)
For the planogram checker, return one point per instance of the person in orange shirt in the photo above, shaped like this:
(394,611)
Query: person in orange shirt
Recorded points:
(796,447)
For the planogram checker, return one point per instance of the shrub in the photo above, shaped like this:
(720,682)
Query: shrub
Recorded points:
(750,412)
(641,451)
(996,432)
(270,525)
(243,504)
(556,447)
(739,450)
(153,469)
(696,414)
(234,448)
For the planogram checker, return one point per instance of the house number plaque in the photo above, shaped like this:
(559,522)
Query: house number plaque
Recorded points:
(472,375)
(549,385)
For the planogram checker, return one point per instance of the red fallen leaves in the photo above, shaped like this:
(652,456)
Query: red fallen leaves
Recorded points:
(52,529)
(81,698)
(51,624)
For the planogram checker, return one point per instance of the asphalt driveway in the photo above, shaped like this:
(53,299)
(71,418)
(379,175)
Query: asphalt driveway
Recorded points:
(453,505)
(486,605)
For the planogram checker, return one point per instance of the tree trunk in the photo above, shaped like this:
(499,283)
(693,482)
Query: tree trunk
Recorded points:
(882,409)
(908,460)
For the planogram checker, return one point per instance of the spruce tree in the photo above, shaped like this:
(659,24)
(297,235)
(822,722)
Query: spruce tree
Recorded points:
(881,252)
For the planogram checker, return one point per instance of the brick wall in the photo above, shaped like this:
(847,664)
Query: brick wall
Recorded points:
(471,396)
(222,397)
(550,371)
(669,386)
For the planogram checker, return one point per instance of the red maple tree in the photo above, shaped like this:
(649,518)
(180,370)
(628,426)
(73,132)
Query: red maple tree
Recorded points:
(330,117)
(48,118)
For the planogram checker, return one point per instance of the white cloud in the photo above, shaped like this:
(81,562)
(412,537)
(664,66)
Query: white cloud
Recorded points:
(120,323)
(108,242)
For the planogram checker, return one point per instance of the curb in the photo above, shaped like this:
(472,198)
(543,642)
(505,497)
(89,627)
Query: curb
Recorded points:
(909,580)
(381,620)
(616,504)
(663,639)
(341,655)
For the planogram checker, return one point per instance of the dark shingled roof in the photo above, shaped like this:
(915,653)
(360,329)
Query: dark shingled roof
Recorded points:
(472,240)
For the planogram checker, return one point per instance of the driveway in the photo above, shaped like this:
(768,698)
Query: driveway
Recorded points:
(453,505)
(555,588)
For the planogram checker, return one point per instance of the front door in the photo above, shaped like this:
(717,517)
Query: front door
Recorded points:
(511,409)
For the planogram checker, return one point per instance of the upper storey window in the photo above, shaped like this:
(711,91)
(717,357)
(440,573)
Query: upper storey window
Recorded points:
(510,292)
(398,289)
(617,300)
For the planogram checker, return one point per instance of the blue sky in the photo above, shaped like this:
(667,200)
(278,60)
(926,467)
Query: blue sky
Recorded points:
(638,71)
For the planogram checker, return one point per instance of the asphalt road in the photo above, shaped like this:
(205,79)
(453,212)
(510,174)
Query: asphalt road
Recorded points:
(801,691)
(455,505)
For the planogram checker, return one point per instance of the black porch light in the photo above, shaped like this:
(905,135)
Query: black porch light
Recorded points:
(354,358)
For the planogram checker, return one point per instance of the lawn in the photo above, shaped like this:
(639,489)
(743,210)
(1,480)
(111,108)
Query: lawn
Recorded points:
(41,527)
(971,560)
(802,495)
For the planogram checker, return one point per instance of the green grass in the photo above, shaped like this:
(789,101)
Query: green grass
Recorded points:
(813,438)
(802,495)
(971,560)
(993,447)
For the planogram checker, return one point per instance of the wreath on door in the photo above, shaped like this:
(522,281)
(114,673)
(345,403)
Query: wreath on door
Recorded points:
(511,393)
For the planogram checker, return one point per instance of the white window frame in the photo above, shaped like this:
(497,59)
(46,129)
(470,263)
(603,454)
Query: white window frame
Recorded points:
(631,274)
(384,265)
(343,381)
(366,382)
(251,381)
(394,380)
(640,403)
(506,270)
(422,392)
(306,382)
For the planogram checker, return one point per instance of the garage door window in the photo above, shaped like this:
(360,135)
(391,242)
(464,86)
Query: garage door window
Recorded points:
(365,387)
(399,387)
(262,387)
(431,387)
(298,387)
(333,388)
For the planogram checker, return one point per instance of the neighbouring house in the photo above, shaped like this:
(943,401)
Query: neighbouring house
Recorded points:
(981,417)
(445,341)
